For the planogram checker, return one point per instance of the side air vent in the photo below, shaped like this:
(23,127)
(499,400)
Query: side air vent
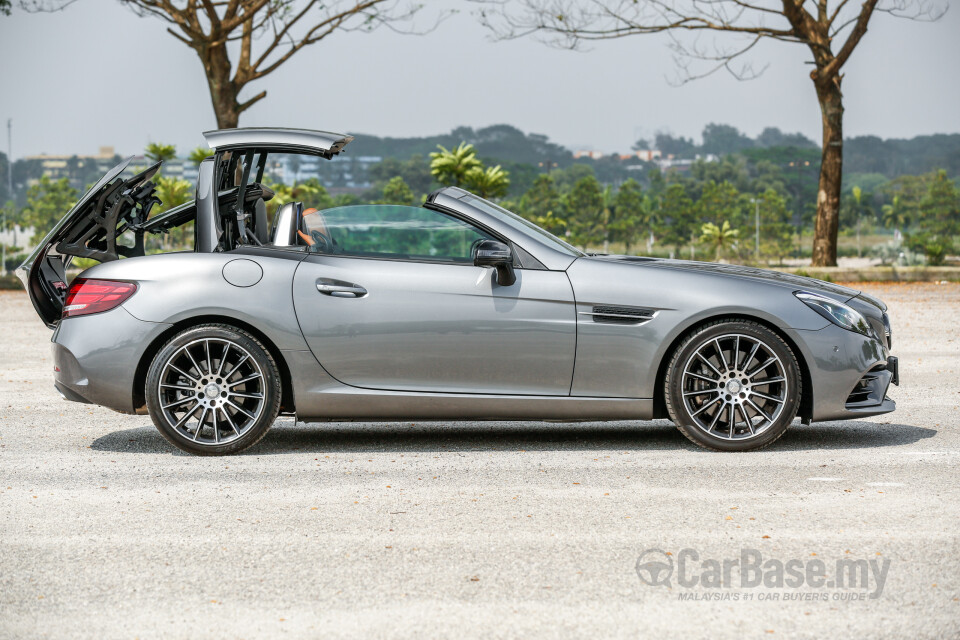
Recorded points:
(620,315)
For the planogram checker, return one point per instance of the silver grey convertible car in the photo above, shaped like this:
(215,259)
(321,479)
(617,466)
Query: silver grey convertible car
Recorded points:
(454,310)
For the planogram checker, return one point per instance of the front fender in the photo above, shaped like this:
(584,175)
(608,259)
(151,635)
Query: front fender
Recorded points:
(622,360)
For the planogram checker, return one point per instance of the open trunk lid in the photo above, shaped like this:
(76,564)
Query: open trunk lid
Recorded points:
(113,206)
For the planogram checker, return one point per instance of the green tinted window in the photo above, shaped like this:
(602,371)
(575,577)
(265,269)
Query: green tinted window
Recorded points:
(392,231)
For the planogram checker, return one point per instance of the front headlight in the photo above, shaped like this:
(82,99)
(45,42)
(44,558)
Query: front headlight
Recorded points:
(836,312)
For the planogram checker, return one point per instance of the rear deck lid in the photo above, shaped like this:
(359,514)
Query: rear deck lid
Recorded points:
(110,208)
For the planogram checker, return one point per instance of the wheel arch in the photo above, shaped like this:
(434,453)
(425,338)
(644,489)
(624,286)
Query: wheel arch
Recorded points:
(140,376)
(806,386)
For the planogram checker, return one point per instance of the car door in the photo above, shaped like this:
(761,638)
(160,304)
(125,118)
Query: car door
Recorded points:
(391,300)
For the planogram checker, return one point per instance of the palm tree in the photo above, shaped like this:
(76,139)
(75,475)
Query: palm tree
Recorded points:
(159,152)
(199,154)
(451,167)
(173,192)
(491,182)
(858,209)
(284,193)
(895,214)
(719,237)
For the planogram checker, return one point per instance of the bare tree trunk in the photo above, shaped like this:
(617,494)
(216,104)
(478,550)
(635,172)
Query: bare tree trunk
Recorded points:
(831,172)
(223,90)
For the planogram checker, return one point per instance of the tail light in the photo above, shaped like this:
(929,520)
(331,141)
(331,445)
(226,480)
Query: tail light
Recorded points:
(95,296)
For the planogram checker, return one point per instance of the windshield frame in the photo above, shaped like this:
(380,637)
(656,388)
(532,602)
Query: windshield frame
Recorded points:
(521,224)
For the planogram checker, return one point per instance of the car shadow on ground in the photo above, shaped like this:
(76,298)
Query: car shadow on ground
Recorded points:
(287,437)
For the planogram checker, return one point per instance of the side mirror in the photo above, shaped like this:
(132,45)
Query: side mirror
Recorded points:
(490,253)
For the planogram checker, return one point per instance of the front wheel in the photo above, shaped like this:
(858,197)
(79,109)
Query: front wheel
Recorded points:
(733,386)
(213,390)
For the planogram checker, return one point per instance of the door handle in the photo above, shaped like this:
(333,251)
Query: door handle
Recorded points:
(341,290)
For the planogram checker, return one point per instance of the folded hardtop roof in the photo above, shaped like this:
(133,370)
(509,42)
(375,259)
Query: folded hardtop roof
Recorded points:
(320,143)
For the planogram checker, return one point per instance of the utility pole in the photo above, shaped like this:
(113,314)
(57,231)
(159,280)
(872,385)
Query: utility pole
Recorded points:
(799,164)
(756,246)
(3,228)
(10,157)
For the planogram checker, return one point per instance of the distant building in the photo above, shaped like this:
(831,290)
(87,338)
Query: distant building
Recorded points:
(648,155)
(74,167)
(339,174)
(586,153)
(181,168)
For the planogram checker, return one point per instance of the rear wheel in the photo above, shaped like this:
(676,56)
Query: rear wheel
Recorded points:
(733,386)
(213,390)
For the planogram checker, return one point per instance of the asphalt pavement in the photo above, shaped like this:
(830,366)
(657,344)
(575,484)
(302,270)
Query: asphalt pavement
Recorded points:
(484,529)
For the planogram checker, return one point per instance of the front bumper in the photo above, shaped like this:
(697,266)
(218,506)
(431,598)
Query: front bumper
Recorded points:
(850,374)
(95,357)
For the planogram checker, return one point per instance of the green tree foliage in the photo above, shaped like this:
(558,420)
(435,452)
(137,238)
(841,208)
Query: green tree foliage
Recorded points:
(543,206)
(721,238)
(566,178)
(856,206)
(504,142)
(773,137)
(415,171)
(677,217)
(730,169)
(586,204)
(720,201)
(679,147)
(396,191)
(895,215)
(632,218)
(5,168)
(47,201)
(199,154)
(776,232)
(172,192)
(940,208)
(938,219)
(159,152)
(310,192)
(451,167)
(909,191)
(720,139)
(492,182)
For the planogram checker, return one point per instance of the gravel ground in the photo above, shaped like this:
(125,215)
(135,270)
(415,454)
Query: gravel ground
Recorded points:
(477,529)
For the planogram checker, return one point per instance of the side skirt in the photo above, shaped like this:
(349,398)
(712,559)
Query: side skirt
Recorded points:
(321,398)
(372,405)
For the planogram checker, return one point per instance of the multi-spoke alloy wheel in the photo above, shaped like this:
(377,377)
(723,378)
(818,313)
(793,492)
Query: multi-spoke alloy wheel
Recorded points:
(213,390)
(733,386)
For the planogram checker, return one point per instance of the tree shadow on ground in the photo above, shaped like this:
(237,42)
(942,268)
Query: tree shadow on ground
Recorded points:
(421,437)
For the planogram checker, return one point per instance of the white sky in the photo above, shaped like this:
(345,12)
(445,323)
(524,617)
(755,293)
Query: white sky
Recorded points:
(96,75)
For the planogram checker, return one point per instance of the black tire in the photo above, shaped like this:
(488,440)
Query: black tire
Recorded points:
(761,407)
(234,399)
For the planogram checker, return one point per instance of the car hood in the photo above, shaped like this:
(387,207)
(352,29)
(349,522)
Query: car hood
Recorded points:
(788,280)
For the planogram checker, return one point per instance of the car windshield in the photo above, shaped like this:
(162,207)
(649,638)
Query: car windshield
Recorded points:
(522,225)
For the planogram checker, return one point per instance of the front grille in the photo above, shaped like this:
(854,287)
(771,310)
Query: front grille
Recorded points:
(887,330)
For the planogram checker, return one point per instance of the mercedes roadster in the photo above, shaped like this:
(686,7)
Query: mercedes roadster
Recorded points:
(454,310)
